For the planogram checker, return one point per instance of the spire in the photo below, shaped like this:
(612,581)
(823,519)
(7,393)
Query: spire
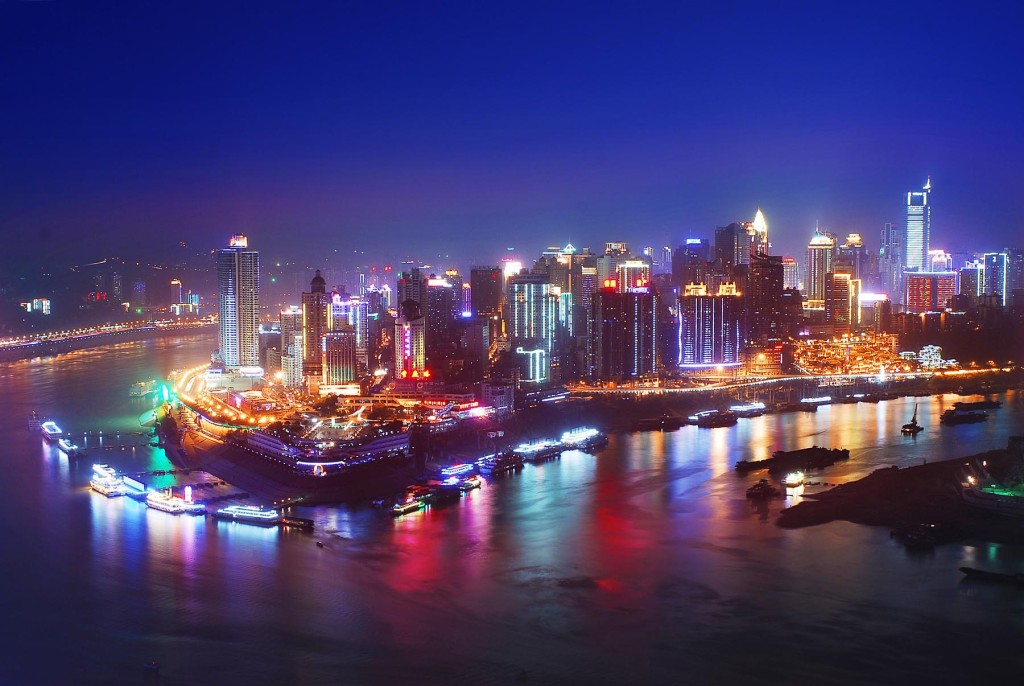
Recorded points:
(928,184)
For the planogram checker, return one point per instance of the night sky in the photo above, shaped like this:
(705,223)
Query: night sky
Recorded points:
(414,131)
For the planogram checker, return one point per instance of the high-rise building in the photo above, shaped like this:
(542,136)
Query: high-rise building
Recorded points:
(997,274)
(972,280)
(410,342)
(238,297)
(532,317)
(631,275)
(412,285)
(763,303)
(624,339)
(839,302)
(315,324)
(340,363)
(439,309)
(710,327)
(690,262)
(849,257)
(486,290)
(732,245)
(890,261)
(929,291)
(819,263)
(790,273)
(919,228)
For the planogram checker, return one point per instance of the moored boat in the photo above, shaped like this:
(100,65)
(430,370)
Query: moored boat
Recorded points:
(400,509)
(957,416)
(106,481)
(249,515)
(34,422)
(714,419)
(984,575)
(51,432)
(168,502)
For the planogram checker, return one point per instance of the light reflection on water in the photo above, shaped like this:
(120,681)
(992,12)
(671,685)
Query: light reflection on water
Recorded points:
(645,562)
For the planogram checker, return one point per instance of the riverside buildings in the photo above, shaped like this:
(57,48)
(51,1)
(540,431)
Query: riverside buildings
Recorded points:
(238,298)
(710,327)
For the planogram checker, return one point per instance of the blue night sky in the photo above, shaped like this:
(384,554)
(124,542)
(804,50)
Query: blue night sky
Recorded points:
(413,130)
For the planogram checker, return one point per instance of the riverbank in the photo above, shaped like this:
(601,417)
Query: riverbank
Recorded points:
(927,493)
(52,348)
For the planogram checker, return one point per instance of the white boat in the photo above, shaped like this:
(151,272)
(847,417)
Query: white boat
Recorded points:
(794,479)
(106,481)
(249,515)
(67,447)
(167,502)
(51,431)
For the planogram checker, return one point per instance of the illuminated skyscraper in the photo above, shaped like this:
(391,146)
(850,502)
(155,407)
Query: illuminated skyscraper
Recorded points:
(532,316)
(633,274)
(919,229)
(710,327)
(997,275)
(890,261)
(819,263)
(291,346)
(315,323)
(623,342)
(238,297)
(340,364)
(410,342)
(929,291)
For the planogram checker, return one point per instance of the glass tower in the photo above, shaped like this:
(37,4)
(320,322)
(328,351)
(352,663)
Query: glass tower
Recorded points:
(238,295)
(919,228)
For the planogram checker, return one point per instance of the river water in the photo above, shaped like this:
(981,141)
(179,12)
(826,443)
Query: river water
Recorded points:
(643,564)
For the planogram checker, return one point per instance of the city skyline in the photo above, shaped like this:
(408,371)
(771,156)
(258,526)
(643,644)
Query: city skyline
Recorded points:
(651,142)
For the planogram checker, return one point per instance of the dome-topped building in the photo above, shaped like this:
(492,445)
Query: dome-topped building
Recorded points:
(318,284)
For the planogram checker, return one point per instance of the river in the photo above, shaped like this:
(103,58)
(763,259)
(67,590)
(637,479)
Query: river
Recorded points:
(643,564)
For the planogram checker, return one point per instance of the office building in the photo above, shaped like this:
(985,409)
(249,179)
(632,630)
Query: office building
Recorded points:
(410,342)
(819,263)
(710,327)
(997,276)
(315,324)
(238,299)
(917,239)
(623,343)
(485,292)
(532,317)
(340,363)
(929,291)
(890,261)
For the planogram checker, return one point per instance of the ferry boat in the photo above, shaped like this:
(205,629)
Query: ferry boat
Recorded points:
(587,440)
(713,419)
(142,388)
(957,416)
(167,502)
(405,508)
(249,515)
(106,481)
(51,432)
(749,410)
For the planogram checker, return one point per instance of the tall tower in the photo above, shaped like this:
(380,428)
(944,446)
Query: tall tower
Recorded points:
(919,229)
(710,327)
(315,324)
(532,324)
(238,296)
(819,263)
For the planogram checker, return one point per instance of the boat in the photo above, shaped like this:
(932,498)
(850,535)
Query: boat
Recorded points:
(912,428)
(805,458)
(67,447)
(168,502)
(762,490)
(955,416)
(978,405)
(714,419)
(922,535)
(297,523)
(51,432)
(249,515)
(984,575)
(587,440)
(793,480)
(400,509)
(106,481)
(471,483)
(34,422)
(141,389)
(749,410)
(663,423)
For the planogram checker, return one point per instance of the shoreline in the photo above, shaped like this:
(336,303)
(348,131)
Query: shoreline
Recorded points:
(928,493)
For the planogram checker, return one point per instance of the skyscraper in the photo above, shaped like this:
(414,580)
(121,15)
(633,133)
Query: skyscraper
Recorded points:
(238,297)
(929,291)
(340,364)
(532,316)
(764,305)
(315,323)
(819,263)
(919,228)
(839,302)
(291,346)
(890,261)
(486,290)
(410,342)
(710,327)
(997,275)
(624,338)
